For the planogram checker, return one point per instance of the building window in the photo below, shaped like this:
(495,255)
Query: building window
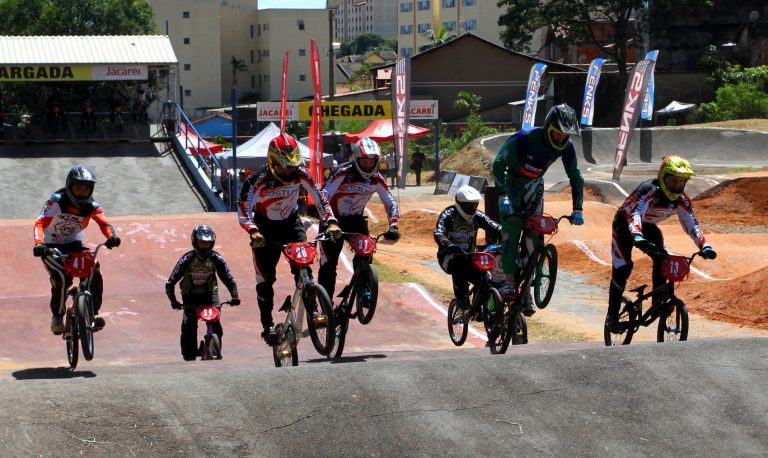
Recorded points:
(251,30)
(187,92)
(406,7)
(450,26)
(187,67)
(470,24)
(468,2)
(423,28)
(302,77)
(406,29)
(406,52)
(258,30)
(253,82)
(185,14)
(449,3)
(186,41)
(423,5)
(253,56)
(300,23)
(302,52)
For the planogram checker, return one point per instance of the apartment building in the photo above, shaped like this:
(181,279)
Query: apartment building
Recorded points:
(206,35)
(354,17)
(418,20)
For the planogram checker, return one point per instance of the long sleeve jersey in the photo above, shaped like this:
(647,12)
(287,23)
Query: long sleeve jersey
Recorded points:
(453,229)
(265,195)
(61,221)
(198,276)
(649,204)
(349,193)
(526,157)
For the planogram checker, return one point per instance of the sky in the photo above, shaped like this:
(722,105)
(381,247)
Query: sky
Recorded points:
(296,4)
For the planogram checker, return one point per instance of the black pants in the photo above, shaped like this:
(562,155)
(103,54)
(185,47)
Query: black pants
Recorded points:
(276,233)
(417,171)
(60,281)
(329,255)
(188,338)
(622,260)
(459,266)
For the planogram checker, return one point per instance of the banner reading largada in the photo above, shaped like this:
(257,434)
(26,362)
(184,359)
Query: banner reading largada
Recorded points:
(302,111)
(19,73)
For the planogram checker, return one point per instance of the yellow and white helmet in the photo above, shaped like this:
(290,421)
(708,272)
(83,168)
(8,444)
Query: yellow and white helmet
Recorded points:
(673,165)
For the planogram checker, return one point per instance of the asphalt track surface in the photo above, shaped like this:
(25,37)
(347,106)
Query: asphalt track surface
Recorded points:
(401,390)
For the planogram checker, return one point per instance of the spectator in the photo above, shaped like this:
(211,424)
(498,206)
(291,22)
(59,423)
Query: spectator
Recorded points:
(391,167)
(417,163)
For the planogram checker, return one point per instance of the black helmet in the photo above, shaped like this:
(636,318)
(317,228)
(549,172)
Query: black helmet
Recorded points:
(562,119)
(203,233)
(81,175)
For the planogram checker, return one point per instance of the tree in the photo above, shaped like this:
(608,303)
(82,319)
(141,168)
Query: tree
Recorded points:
(438,38)
(238,65)
(573,22)
(76,17)
(367,42)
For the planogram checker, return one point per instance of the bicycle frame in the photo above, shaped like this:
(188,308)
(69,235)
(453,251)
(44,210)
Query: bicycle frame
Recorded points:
(363,246)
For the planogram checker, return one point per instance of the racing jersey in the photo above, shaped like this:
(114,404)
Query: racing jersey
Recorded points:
(526,157)
(61,221)
(276,200)
(198,276)
(648,204)
(348,192)
(453,229)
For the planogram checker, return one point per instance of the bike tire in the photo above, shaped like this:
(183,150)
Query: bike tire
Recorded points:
(367,293)
(342,326)
(496,323)
(519,330)
(624,337)
(72,341)
(458,323)
(545,276)
(285,353)
(674,326)
(85,323)
(320,322)
(214,347)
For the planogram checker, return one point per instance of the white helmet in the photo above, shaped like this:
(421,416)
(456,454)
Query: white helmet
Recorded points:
(366,148)
(467,200)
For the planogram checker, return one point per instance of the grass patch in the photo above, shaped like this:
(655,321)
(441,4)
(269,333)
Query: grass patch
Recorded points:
(542,332)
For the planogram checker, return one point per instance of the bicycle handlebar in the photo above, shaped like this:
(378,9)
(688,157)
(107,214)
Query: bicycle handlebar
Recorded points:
(56,253)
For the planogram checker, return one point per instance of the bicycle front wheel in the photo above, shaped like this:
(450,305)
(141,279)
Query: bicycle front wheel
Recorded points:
(285,353)
(367,289)
(85,323)
(214,347)
(320,319)
(519,329)
(545,276)
(674,326)
(458,323)
(627,325)
(72,340)
(342,325)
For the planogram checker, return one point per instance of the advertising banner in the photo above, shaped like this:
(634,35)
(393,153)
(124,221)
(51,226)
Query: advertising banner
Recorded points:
(401,91)
(316,126)
(633,99)
(590,88)
(283,89)
(345,111)
(59,73)
(649,93)
(531,96)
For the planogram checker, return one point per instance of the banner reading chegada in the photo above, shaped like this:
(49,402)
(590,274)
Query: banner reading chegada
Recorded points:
(316,125)
(649,93)
(532,95)
(401,94)
(590,88)
(636,87)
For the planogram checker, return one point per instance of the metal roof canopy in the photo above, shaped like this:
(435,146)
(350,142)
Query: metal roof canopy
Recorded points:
(102,49)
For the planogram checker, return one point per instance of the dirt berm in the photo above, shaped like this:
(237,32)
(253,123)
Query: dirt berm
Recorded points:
(704,398)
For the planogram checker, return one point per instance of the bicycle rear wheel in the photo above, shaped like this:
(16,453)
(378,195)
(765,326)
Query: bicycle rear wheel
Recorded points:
(545,276)
(85,323)
(71,340)
(285,353)
(628,329)
(367,288)
(674,326)
(320,319)
(458,323)
(213,347)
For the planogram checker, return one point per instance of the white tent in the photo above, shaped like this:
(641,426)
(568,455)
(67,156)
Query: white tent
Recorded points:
(253,153)
(675,107)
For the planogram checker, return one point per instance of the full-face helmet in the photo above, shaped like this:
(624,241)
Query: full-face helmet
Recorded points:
(80,175)
(467,201)
(366,150)
(563,120)
(283,156)
(674,166)
(203,239)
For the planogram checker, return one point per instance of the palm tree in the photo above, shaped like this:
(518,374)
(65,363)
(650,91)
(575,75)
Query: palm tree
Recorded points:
(440,37)
(238,65)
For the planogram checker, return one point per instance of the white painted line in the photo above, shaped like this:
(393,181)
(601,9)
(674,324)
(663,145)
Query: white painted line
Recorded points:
(616,185)
(583,247)
(427,210)
(371,216)
(420,289)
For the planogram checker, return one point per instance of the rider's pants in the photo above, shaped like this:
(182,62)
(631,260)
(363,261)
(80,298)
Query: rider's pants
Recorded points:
(188,339)
(522,202)
(330,250)
(60,282)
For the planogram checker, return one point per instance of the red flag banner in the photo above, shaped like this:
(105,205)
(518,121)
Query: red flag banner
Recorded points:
(633,103)
(401,97)
(284,79)
(316,124)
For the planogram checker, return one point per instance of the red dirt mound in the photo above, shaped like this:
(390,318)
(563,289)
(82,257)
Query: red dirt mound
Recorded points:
(416,224)
(743,304)
(741,202)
